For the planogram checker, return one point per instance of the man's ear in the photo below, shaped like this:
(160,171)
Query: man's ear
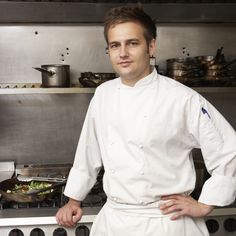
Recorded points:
(152,47)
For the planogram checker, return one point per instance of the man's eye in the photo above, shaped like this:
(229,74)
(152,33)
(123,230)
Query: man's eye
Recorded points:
(133,44)
(114,46)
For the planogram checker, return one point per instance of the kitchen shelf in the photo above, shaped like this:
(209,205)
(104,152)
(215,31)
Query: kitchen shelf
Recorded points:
(82,12)
(75,90)
(46,90)
(215,89)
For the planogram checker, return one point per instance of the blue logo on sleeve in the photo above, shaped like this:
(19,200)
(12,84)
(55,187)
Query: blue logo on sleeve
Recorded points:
(204,111)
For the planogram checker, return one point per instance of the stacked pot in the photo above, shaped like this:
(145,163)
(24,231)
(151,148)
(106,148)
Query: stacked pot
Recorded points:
(217,70)
(185,70)
(201,70)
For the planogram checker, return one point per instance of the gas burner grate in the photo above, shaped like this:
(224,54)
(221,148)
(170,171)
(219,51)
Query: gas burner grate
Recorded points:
(54,202)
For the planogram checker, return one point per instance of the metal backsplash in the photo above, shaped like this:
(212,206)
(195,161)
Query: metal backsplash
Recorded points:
(41,128)
(45,128)
(83,47)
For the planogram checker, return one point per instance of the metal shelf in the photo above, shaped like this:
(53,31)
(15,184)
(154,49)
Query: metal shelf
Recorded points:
(79,12)
(75,90)
(46,90)
(215,89)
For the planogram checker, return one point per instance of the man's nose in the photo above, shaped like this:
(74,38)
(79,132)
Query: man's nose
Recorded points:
(123,51)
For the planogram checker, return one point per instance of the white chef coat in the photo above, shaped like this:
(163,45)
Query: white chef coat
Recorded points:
(120,221)
(144,135)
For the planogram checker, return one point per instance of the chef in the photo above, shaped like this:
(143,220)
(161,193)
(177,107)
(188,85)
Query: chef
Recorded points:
(142,127)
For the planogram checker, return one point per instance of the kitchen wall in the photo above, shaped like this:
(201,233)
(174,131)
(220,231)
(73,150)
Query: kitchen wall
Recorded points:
(45,128)
(83,47)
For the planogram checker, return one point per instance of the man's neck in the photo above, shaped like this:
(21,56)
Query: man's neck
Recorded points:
(132,81)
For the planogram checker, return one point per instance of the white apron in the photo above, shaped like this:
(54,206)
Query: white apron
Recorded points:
(127,220)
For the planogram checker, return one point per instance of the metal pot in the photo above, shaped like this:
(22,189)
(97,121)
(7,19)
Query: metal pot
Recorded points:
(55,75)
(9,184)
(89,79)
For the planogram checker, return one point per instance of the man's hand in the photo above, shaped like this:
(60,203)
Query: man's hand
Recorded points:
(69,214)
(182,205)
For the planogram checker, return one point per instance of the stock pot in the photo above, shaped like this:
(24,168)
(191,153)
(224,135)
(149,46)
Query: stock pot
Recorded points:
(55,75)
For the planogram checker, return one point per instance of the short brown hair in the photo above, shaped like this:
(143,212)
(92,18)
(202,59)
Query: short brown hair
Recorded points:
(122,14)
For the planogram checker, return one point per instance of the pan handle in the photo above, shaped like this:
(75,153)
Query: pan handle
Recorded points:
(228,64)
(48,72)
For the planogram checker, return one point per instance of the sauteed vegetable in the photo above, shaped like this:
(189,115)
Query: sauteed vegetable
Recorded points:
(33,185)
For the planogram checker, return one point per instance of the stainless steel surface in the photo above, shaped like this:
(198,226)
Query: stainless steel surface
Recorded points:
(55,75)
(83,47)
(7,169)
(38,178)
(16,217)
(79,46)
(45,128)
(50,73)
(38,129)
(93,11)
(217,223)
(27,220)
(36,88)
(43,170)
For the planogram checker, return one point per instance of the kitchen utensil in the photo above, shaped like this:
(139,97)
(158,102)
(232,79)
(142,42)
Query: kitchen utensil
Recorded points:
(38,178)
(218,55)
(36,191)
(9,184)
(89,79)
(55,75)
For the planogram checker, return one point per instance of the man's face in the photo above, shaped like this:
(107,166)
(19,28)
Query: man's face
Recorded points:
(129,51)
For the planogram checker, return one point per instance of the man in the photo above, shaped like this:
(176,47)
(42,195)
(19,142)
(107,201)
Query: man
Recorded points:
(142,128)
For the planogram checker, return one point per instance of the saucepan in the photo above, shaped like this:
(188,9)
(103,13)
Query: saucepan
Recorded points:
(55,75)
(7,186)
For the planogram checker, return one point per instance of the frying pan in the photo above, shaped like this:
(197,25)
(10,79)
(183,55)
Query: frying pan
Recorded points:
(9,184)
(89,79)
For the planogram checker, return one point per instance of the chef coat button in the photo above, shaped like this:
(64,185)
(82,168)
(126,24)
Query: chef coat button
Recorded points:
(141,146)
(113,171)
(112,143)
(141,202)
(115,199)
(141,172)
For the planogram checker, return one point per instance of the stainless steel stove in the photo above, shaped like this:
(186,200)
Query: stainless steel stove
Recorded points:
(42,222)
(222,221)
(38,218)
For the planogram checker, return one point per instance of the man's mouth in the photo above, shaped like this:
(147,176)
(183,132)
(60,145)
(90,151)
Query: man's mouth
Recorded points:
(125,63)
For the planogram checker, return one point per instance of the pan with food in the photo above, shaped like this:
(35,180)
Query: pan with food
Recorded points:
(24,191)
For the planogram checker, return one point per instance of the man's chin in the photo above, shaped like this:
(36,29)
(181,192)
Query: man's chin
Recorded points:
(126,74)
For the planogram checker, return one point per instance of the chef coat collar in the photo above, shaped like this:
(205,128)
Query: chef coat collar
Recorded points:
(146,81)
